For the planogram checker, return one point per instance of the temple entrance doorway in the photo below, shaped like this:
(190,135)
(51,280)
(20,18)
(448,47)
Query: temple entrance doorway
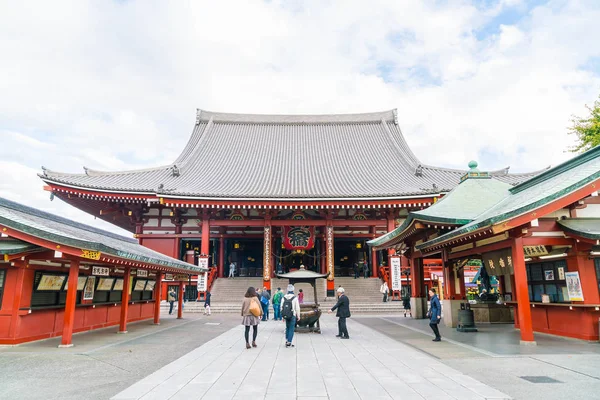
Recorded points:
(247,254)
(351,255)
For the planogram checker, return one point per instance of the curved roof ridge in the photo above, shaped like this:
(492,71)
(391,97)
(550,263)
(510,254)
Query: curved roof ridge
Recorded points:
(194,144)
(500,172)
(205,116)
(62,220)
(93,172)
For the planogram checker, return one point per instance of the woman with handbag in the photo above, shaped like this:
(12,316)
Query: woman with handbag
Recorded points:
(251,314)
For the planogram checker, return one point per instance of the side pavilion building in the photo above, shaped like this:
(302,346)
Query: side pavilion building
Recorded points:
(271,192)
(540,238)
(58,277)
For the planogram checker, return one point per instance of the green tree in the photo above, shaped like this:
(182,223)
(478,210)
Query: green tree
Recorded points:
(586,129)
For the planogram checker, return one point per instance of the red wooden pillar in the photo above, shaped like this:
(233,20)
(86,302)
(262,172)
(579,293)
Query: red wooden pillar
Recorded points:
(125,300)
(157,293)
(67,333)
(449,277)
(581,263)
(13,329)
(205,244)
(374,266)
(221,269)
(323,256)
(330,259)
(267,242)
(416,274)
(391,225)
(524,308)
(180,301)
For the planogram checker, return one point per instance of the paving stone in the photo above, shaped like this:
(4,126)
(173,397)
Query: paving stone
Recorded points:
(368,366)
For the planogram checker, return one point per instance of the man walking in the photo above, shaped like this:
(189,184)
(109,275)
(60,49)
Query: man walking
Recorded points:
(171,299)
(290,311)
(232,270)
(343,311)
(277,304)
(434,314)
(366,270)
(356,270)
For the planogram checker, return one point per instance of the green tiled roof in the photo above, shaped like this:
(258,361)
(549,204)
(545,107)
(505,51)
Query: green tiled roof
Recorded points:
(462,205)
(14,246)
(585,227)
(65,232)
(551,185)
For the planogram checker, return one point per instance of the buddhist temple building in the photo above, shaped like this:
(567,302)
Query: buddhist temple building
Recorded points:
(59,277)
(262,193)
(540,240)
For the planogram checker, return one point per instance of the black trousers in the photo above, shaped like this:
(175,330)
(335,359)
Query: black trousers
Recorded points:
(435,329)
(342,329)
(254,333)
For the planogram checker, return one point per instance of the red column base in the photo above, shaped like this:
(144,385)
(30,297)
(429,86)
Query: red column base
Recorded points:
(331,288)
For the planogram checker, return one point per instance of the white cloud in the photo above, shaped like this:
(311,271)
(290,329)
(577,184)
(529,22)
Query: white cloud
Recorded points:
(114,85)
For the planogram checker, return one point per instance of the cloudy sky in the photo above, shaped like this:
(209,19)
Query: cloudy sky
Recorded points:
(115,85)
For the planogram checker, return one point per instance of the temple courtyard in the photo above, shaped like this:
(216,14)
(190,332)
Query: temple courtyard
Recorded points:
(387,357)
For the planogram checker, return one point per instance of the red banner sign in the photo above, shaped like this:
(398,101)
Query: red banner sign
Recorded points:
(299,237)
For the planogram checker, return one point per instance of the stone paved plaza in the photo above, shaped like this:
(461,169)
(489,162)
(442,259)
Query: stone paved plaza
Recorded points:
(388,356)
(368,366)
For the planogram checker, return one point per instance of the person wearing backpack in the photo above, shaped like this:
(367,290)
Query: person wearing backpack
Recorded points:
(265,296)
(290,311)
(277,304)
(343,311)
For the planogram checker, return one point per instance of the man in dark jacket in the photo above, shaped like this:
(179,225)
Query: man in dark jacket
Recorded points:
(434,314)
(343,312)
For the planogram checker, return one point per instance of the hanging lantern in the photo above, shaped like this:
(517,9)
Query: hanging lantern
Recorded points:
(358,245)
(236,245)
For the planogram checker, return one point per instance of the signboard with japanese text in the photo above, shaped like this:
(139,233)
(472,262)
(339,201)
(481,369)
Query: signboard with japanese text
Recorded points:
(168,277)
(395,273)
(142,273)
(574,286)
(100,271)
(203,262)
(535,251)
(202,280)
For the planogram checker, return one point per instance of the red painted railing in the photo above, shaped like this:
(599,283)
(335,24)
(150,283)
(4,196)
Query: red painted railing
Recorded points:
(384,273)
(210,279)
(212,276)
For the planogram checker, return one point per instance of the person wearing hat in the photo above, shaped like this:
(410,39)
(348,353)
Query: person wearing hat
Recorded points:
(343,311)
(290,311)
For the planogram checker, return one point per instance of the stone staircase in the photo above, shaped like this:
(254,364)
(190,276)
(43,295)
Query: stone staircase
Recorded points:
(227,295)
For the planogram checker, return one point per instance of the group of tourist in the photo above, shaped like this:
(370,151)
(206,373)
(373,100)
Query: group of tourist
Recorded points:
(286,306)
(358,269)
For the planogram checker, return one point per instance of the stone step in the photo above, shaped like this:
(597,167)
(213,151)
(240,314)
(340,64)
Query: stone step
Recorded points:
(233,308)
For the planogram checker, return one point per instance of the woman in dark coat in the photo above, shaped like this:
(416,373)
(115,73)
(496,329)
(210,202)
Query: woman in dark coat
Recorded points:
(435,314)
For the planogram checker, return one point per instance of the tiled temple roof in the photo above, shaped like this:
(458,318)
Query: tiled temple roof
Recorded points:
(62,231)
(549,186)
(285,157)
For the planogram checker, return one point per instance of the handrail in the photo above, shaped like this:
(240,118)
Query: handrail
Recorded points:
(212,274)
(210,279)
(385,275)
